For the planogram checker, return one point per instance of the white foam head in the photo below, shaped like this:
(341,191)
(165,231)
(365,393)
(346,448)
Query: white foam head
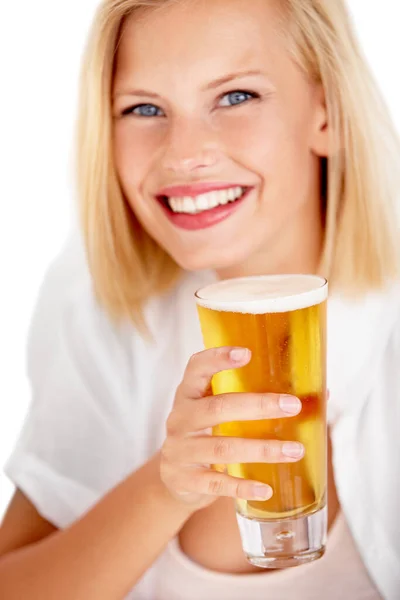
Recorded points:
(265,294)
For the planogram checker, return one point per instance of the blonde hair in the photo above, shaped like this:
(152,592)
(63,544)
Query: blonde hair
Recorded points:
(361,248)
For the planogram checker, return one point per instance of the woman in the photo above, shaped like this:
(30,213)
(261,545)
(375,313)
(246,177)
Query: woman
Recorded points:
(272,103)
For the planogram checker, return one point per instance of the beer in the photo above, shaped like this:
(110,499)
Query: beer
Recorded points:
(282,320)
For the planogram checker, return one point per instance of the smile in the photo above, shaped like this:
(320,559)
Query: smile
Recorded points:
(194,205)
(201,210)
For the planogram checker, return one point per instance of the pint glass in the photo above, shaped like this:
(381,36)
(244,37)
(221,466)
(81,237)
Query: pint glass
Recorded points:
(282,320)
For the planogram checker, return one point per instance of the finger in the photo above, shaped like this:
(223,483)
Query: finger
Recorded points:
(229,450)
(202,481)
(204,365)
(226,408)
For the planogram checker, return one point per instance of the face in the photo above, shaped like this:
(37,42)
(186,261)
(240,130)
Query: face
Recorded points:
(218,136)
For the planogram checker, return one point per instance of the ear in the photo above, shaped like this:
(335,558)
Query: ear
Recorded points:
(320,133)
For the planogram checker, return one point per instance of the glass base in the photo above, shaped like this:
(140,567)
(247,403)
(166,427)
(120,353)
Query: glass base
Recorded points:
(278,544)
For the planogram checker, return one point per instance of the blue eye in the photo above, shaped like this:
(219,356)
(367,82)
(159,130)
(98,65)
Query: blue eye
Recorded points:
(237,97)
(144,110)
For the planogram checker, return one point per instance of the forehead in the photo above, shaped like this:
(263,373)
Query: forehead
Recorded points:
(200,34)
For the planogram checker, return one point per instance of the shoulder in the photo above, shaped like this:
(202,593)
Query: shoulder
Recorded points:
(69,324)
(365,433)
(363,340)
(390,357)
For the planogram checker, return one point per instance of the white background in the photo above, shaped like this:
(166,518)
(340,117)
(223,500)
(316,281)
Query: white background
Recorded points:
(40,47)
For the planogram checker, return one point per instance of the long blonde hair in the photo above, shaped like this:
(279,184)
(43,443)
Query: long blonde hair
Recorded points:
(361,248)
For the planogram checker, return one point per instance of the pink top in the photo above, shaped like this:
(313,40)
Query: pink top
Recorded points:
(340,573)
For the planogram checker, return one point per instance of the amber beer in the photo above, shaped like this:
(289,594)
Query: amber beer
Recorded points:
(282,320)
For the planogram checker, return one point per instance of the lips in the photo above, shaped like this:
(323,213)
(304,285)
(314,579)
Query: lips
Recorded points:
(201,206)
(196,189)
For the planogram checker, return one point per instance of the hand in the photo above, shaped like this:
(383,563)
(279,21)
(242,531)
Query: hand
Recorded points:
(188,450)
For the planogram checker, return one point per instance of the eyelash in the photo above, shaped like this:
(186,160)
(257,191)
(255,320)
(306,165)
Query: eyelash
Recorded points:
(251,96)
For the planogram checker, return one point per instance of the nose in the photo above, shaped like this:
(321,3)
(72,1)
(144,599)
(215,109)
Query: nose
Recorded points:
(192,146)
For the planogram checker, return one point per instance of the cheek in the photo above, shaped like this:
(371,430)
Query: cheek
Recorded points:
(274,146)
(135,152)
(266,142)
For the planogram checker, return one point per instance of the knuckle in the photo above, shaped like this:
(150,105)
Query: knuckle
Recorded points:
(180,392)
(172,479)
(241,489)
(216,405)
(222,450)
(168,451)
(197,370)
(220,355)
(194,359)
(217,353)
(264,403)
(267,450)
(215,487)
(172,424)
(167,473)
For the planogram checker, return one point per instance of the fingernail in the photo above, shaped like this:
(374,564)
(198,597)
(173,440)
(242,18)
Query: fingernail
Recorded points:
(289,404)
(262,492)
(293,449)
(239,354)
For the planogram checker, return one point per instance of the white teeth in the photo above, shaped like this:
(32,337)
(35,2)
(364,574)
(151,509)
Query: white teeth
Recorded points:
(173,204)
(231,194)
(192,205)
(202,203)
(188,205)
(213,199)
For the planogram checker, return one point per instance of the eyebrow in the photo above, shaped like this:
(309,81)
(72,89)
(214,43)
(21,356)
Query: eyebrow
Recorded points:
(227,78)
(210,86)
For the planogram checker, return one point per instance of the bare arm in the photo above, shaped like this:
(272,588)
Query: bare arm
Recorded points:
(102,555)
(22,525)
(105,553)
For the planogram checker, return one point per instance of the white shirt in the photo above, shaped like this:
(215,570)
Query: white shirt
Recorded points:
(340,571)
(102,394)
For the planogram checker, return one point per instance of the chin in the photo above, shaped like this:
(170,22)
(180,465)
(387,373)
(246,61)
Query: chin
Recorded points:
(208,261)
